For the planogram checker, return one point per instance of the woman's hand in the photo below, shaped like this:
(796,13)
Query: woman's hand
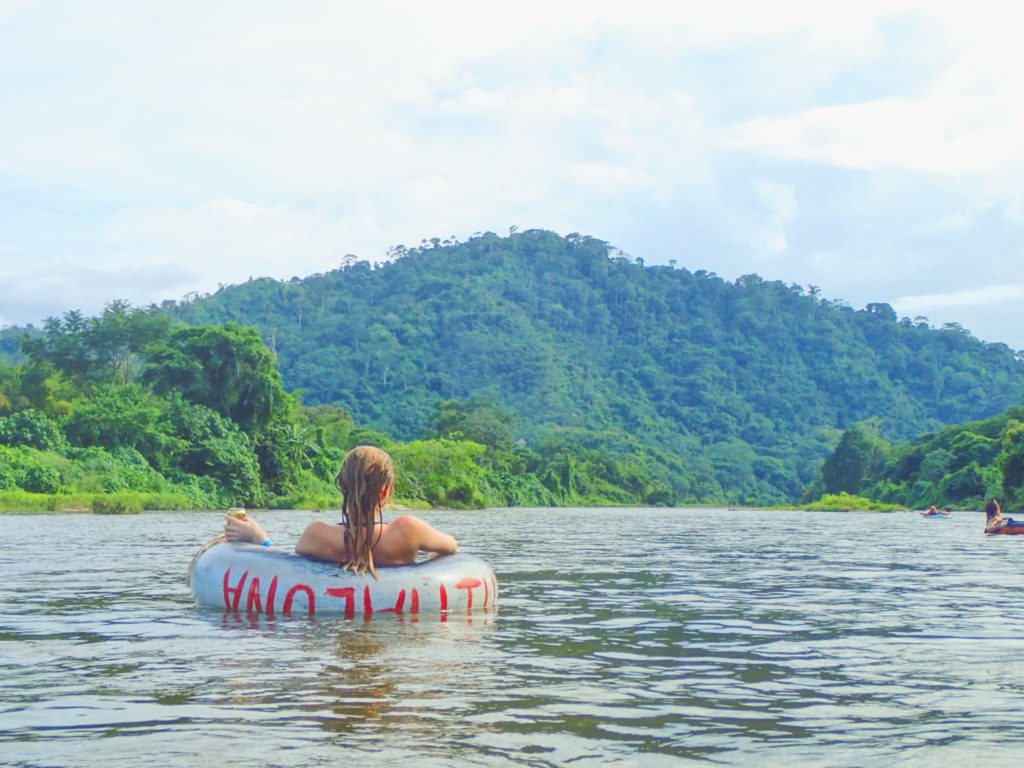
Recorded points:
(243,529)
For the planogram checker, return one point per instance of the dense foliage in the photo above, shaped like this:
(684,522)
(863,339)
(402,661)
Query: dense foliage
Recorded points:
(960,466)
(132,409)
(622,381)
(532,369)
(134,401)
(10,343)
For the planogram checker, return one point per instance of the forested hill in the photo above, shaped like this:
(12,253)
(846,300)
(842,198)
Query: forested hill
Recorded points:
(742,387)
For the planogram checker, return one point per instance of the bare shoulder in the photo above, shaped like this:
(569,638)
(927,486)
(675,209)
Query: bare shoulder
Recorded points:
(411,526)
(321,526)
(321,541)
(409,521)
(422,535)
(321,529)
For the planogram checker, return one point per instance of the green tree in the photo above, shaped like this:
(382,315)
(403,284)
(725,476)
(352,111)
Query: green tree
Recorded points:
(40,478)
(441,472)
(214,447)
(857,458)
(120,415)
(10,376)
(102,349)
(34,429)
(1011,462)
(966,484)
(478,419)
(226,368)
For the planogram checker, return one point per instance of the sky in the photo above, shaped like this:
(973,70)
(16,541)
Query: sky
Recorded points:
(152,150)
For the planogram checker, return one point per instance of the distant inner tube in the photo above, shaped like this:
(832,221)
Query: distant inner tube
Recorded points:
(246,578)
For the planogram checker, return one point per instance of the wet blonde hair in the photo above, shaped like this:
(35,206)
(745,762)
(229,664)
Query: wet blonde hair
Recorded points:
(366,480)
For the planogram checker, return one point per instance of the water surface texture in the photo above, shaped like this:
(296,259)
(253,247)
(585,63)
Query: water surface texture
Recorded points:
(643,637)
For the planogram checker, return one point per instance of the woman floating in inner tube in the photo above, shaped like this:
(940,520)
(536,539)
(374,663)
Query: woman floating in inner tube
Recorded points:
(996,523)
(362,540)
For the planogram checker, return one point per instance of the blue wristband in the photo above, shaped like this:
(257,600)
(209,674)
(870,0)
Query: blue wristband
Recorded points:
(268,543)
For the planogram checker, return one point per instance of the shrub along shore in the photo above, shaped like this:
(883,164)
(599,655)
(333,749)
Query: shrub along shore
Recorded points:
(127,503)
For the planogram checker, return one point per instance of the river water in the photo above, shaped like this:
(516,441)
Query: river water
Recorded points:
(644,637)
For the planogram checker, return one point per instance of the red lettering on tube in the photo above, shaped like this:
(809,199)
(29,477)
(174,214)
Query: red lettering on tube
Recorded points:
(349,593)
(415,607)
(233,595)
(271,595)
(290,598)
(469,585)
(253,603)
(444,598)
(399,602)
(367,601)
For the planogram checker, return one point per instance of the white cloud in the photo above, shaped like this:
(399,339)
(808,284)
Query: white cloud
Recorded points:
(56,286)
(474,101)
(1014,210)
(599,177)
(252,139)
(993,313)
(779,200)
(977,297)
(320,95)
(966,119)
(243,239)
(927,135)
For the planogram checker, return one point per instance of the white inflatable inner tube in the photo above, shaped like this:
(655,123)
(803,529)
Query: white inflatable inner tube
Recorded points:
(248,578)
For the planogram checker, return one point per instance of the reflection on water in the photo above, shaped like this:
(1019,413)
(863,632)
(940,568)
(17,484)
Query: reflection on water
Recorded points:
(650,637)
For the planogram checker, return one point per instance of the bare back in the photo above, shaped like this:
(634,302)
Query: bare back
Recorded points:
(395,543)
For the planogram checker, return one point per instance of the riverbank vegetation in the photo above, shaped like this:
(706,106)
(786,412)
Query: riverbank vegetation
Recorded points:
(132,409)
(960,466)
(845,502)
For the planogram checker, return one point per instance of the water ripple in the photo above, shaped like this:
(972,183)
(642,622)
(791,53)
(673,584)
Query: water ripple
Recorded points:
(626,637)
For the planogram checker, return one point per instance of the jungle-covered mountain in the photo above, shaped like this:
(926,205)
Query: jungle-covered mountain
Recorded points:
(735,391)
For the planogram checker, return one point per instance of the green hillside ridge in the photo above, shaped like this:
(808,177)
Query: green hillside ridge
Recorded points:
(530,370)
(735,391)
